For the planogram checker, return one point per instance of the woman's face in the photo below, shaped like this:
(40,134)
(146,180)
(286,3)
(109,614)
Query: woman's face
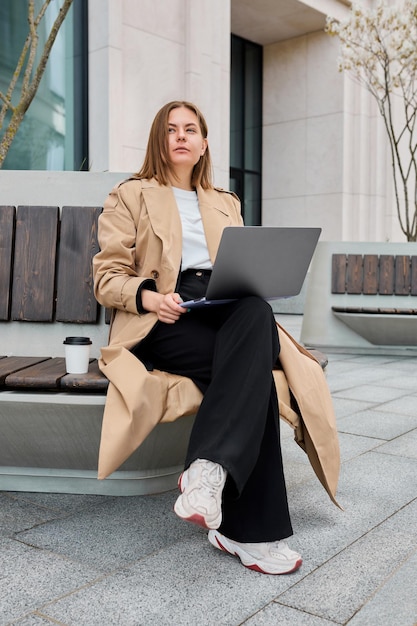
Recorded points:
(186,144)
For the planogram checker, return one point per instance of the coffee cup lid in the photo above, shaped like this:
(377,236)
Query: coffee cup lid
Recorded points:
(78,341)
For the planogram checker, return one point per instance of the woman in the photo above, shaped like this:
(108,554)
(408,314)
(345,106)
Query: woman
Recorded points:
(158,234)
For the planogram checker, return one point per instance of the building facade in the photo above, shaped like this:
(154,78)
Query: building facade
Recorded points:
(300,142)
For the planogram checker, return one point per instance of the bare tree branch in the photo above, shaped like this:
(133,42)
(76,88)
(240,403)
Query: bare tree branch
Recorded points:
(379,50)
(32,76)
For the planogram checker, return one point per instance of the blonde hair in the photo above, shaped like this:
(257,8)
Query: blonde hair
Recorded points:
(156,163)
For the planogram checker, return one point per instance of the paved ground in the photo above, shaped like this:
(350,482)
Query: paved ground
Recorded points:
(92,560)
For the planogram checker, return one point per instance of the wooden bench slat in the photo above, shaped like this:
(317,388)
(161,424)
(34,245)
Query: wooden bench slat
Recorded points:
(34,263)
(338,273)
(373,310)
(49,373)
(94,380)
(78,244)
(402,275)
(386,274)
(396,311)
(7,226)
(11,364)
(370,274)
(354,283)
(43,375)
(413,279)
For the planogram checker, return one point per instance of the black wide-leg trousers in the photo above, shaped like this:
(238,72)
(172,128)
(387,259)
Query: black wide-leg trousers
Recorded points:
(229,352)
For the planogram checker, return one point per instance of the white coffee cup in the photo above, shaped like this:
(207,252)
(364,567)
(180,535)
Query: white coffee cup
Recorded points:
(77,354)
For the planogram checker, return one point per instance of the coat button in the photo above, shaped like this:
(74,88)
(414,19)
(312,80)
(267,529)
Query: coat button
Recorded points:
(155,274)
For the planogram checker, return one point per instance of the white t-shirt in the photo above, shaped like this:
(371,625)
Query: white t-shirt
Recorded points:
(195,253)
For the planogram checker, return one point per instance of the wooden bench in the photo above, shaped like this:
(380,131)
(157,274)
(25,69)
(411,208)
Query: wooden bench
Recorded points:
(46,277)
(50,420)
(371,293)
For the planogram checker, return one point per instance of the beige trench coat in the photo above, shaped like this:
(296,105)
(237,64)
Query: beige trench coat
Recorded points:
(140,238)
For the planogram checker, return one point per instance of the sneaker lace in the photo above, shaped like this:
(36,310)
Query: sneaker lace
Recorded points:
(211,480)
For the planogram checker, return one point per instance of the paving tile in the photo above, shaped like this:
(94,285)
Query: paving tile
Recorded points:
(402,364)
(392,480)
(375,394)
(186,584)
(63,503)
(338,363)
(408,382)
(344,372)
(349,374)
(405,445)
(372,488)
(405,406)
(17,515)
(385,361)
(377,423)
(296,473)
(396,600)
(32,577)
(343,407)
(21,511)
(340,587)
(339,382)
(276,614)
(352,446)
(114,533)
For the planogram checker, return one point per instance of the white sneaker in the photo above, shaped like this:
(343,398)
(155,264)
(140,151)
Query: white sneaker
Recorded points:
(201,499)
(267,558)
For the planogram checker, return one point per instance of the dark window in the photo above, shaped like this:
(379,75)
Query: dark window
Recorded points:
(246,127)
(54,131)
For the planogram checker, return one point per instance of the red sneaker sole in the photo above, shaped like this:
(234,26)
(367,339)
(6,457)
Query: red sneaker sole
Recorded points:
(198,520)
(256,568)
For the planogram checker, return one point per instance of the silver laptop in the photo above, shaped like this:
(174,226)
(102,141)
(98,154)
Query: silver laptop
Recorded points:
(265,261)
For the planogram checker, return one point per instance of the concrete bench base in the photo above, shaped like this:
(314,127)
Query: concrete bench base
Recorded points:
(50,443)
(382,329)
(43,480)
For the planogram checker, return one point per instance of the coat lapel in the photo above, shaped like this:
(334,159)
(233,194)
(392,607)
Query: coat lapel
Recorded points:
(215,217)
(165,220)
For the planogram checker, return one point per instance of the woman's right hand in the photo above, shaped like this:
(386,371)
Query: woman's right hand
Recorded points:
(166,306)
